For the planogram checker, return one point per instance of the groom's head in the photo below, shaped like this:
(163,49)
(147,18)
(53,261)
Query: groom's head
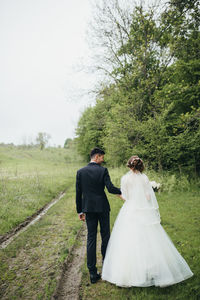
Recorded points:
(97,155)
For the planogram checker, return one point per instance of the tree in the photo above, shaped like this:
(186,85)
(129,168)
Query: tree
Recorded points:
(42,139)
(67,143)
(150,107)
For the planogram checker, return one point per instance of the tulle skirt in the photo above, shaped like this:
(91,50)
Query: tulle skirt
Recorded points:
(140,253)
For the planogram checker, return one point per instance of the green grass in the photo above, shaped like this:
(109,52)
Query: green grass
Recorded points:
(31,264)
(30,178)
(179,210)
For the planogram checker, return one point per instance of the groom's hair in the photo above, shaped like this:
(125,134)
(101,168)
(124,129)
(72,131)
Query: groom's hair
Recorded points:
(95,151)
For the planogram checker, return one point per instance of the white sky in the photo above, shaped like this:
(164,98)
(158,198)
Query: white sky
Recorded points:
(42,45)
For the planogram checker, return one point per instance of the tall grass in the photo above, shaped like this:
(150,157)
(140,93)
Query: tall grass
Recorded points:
(31,264)
(30,178)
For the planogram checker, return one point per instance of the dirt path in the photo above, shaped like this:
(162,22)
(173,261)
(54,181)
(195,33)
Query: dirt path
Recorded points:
(70,278)
(6,239)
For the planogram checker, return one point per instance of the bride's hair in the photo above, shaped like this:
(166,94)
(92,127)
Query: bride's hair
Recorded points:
(135,163)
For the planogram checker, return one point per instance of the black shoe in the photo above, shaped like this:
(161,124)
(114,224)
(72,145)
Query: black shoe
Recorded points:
(94,277)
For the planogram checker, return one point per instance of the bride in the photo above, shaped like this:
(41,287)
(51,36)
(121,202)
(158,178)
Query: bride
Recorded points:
(139,252)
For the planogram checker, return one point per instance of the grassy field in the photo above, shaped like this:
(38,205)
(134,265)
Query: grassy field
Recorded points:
(31,264)
(179,210)
(30,178)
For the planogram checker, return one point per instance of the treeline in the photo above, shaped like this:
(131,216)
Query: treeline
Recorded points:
(150,107)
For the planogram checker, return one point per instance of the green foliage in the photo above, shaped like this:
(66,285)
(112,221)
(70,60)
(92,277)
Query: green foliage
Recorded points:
(42,139)
(67,143)
(152,109)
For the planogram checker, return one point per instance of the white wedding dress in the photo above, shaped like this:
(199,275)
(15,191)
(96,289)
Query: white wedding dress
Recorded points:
(139,252)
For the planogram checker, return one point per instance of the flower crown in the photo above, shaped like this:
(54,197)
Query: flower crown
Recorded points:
(135,159)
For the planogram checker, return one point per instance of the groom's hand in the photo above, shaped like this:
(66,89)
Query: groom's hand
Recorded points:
(120,196)
(82,217)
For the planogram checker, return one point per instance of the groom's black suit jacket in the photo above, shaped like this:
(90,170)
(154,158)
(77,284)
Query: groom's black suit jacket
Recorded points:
(90,183)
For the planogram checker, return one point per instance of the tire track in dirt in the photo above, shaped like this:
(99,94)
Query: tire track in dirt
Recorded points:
(6,239)
(70,278)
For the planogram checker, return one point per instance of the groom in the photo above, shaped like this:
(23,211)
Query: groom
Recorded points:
(92,205)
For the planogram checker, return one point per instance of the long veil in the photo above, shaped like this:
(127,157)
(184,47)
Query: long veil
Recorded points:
(140,197)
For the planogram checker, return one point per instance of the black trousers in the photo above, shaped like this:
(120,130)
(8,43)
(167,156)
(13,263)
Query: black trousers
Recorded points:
(92,220)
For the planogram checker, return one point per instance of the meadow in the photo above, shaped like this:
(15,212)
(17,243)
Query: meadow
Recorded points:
(30,178)
(31,264)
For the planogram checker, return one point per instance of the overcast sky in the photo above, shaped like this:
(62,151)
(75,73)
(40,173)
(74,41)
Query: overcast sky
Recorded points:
(42,45)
